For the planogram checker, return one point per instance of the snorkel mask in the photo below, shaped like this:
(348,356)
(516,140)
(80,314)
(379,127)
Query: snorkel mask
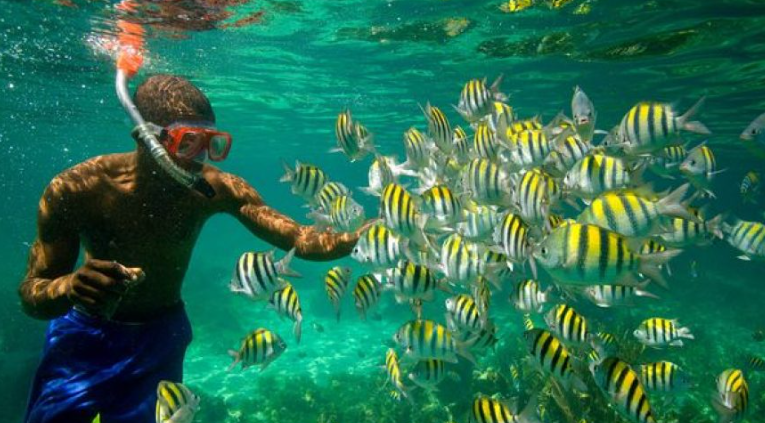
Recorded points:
(129,62)
(191,140)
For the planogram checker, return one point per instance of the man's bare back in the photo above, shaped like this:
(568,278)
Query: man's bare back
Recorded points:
(120,210)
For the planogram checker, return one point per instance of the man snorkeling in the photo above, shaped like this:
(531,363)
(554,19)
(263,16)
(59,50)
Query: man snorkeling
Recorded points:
(118,324)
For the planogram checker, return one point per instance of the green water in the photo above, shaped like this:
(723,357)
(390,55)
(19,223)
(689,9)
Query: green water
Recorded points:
(278,85)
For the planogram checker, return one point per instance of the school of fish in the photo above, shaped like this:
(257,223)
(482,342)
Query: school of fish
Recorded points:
(549,212)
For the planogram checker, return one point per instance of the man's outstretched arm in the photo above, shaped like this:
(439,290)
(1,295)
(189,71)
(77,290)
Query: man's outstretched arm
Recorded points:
(240,199)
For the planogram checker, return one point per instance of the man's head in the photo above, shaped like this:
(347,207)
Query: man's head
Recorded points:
(186,115)
(167,99)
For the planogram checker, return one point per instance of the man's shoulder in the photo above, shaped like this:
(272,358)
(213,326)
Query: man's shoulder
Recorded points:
(87,175)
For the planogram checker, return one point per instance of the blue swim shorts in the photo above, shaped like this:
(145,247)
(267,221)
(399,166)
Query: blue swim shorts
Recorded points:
(91,366)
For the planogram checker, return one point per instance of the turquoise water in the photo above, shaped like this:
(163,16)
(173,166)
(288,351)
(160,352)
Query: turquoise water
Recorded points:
(277,86)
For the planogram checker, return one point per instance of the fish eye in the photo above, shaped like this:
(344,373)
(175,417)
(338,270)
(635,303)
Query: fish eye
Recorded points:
(543,251)
(693,162)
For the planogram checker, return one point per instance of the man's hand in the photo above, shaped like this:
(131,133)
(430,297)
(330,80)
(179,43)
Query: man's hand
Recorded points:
(99,285)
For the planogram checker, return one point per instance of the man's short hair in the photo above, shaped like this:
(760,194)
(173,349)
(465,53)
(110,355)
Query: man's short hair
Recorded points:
(164,99)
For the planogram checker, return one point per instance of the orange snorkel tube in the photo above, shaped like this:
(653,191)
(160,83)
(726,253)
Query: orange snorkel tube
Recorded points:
(129,61)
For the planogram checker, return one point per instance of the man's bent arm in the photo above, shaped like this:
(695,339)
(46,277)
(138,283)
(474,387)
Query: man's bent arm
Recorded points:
(51,258)
(243,201)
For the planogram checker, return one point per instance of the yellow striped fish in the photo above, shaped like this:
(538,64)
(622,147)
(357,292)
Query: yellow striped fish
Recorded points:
(329,192)
(658,332)
(379,248)
(595,174)
(461,143)
(399,211)
(352,138)
(750,186)
(552,357)
(485,144)
(462,261)
(305,180)
(490,410)
(482,295)
(668,160)
(481,339)
(499,264)
(442,205)
(683,232)
(487,182)
(257,275)
(756,362)
(621,386)
(565,322)
(286,302)
(426,339)
(428,374)
(527,297)
(700,167)
(663,376)
(479,221)
(476,99)
(260,347)
(175,403)
(565,154)
(411,282)
(616,295)
(649,127)
(336,283)
(366,294)
(732,399)
(581,254)
(345,215)
(463,313)
(512,235)
(747,237)
(417,148)
(529,148)
(504,112)
(537,192)
(439,129)
(508,134)
(394,372)
(635,215)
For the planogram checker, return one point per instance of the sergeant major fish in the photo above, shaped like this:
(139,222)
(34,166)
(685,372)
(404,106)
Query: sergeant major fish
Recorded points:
(658,332)
(286,302)
(175,403)
(581,254)
(261,347)
(621,386)
(336,283)
(305,180)
(257,275)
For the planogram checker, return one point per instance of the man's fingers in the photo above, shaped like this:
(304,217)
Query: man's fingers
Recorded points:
(101,281)
(110,268)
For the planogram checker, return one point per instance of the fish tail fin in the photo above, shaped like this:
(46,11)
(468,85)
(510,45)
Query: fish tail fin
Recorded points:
(289,174)
(463,350)
(283,265)
(714,226)
(684,332)
(672,204)
(297,329)
(530,413)
(237,359)
(650,265)
(641,292)
(694,126)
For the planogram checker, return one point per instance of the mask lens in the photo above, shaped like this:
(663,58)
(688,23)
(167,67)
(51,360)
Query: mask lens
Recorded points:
(219,145)
(189,145)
